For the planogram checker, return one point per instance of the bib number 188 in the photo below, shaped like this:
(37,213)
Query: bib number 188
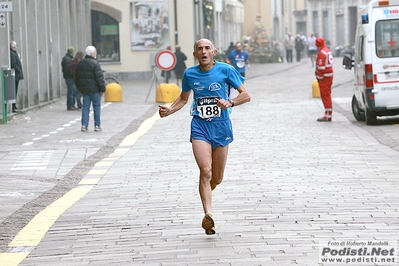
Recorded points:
(208,111)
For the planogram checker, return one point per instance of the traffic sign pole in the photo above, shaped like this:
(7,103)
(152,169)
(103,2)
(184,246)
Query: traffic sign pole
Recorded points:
(164,60)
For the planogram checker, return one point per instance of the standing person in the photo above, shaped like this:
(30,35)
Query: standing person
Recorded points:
(89,79)
(238,58)
(304,42)
(324,76)
(180,66)
(211,128)
(298,48)
(230,48)
(17,66)
(312,48)
(65,63)
(289,44)
(167,74)
(72,68)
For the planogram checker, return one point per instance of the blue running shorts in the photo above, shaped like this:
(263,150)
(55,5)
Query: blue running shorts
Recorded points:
(216,133)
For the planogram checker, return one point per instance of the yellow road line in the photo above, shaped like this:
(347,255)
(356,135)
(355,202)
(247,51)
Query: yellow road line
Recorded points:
(144,127)
(34,231)
(31,235)
(12,259)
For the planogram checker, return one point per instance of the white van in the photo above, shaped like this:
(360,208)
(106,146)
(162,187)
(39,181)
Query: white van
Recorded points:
(376,62)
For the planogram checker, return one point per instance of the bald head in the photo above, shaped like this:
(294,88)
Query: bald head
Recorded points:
(204,40)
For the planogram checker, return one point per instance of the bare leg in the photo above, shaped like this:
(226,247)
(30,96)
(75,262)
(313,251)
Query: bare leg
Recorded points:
(313,59)
(211,165)
(219,158)
(203,156)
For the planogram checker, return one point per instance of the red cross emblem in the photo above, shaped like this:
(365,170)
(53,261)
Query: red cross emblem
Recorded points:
(392,42)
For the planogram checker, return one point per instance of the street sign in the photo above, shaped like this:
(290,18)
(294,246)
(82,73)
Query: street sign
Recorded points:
(3,20)
(165,60)
(5,6)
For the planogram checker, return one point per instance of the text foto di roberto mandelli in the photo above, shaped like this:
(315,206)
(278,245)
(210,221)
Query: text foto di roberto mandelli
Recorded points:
(358,243)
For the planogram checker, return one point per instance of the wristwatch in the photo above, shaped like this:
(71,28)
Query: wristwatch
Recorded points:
(232,102)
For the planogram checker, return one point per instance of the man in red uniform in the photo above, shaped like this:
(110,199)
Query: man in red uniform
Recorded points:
(324,76)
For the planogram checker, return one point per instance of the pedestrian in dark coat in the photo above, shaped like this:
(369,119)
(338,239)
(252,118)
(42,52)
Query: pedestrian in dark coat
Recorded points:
(180,66)
(230,48)
(298,47)
(17,66)
(71,88)
(72,68)
(89,80)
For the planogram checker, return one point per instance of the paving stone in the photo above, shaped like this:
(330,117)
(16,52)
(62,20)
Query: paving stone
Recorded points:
(289,184)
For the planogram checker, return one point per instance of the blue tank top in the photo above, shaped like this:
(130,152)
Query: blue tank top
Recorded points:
(209,85)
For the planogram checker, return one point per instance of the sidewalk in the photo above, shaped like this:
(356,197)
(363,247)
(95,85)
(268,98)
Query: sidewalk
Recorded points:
(44,151)
(290,183)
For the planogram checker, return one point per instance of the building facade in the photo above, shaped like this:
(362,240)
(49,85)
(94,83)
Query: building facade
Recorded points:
(129,33)
(43,30)
(143,28)
(334,20)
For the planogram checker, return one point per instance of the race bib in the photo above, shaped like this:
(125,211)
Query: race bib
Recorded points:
(207,107)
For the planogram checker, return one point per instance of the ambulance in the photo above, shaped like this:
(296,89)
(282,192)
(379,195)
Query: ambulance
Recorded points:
(376,62)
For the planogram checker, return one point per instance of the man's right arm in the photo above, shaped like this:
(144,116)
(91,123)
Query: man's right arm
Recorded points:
(176,106)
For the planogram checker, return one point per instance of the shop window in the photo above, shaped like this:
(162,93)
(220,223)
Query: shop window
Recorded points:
(105,37)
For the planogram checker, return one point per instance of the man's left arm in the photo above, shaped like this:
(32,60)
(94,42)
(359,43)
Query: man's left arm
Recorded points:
(242,97)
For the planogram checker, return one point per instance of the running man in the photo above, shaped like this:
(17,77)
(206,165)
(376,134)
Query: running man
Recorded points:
(238,58)
(211,128)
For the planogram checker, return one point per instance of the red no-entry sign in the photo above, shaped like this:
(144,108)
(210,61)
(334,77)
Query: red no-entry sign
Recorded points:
(165,60)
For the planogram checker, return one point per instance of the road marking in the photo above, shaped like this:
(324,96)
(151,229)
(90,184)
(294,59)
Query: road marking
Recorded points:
(17,194)
(144,127)
(60,128)
(32,234)
(33,160)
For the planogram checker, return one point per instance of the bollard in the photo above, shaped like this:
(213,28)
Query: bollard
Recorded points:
(315,89)
(113,93)
(167,92)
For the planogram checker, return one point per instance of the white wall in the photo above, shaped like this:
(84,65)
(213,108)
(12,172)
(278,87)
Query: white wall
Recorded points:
(43,30)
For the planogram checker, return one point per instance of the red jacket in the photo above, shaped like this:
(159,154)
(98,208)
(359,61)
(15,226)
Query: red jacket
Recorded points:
(324,61)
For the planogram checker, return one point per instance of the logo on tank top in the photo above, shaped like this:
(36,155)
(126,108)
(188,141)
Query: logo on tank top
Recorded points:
(215,87)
